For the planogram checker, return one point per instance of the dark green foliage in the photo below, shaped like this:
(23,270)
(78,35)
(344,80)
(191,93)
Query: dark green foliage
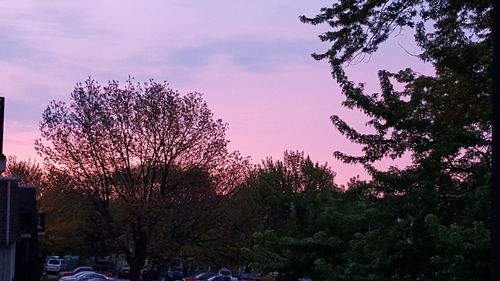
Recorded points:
(428,220)
(66,211)
(306,221)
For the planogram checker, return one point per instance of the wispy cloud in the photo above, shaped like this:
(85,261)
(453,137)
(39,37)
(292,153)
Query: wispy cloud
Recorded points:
(250,58)
(252,55)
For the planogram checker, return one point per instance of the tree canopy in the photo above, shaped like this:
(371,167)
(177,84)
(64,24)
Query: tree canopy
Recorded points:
(150,159)
(427,220)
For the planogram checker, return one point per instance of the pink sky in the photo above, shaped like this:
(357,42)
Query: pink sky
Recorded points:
(250,59)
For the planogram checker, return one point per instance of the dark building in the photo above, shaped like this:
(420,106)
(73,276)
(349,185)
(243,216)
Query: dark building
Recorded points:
(9,227)
(19,227)
(28,263)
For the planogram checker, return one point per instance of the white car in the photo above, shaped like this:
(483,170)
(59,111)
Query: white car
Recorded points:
(54,266)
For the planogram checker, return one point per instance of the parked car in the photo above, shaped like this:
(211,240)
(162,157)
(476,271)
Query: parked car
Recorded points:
(246,277)
(94,276)
(225,271)
(107,270)
(73,277)
(124,272)
(54,266)
(257,277)
(85,276)
(149,273)
(266,277)
(199,277)
(105,266)
(221,278)
(223,275)
(173,274)
(75,271)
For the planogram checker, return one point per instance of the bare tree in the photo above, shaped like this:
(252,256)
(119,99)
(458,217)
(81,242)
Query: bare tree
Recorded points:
(150,158)
(28,171)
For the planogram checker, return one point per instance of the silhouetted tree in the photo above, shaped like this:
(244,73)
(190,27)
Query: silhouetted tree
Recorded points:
(28,172)
(152,161)
(304,217)
(66,211)
(435,205)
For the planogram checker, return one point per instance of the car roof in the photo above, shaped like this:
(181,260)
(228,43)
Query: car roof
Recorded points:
(81,273)
(205,275)
(86,266)
(91,274)
(220,278)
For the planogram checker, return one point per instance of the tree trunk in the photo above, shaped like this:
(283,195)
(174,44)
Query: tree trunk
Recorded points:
(137,259)
(135,269)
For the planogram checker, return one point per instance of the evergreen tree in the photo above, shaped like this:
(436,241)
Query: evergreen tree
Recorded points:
(433,215)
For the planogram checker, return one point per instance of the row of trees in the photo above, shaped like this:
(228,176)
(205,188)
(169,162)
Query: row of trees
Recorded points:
(150,171)
(289,216)
(431,219)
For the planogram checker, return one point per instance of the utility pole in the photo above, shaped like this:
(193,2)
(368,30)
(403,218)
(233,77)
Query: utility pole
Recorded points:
(3,159)
(8,229)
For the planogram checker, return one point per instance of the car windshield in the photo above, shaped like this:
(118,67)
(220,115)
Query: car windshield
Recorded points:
(54,262)
(82,269)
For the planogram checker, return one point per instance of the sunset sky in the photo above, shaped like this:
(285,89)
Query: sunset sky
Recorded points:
(250,59)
